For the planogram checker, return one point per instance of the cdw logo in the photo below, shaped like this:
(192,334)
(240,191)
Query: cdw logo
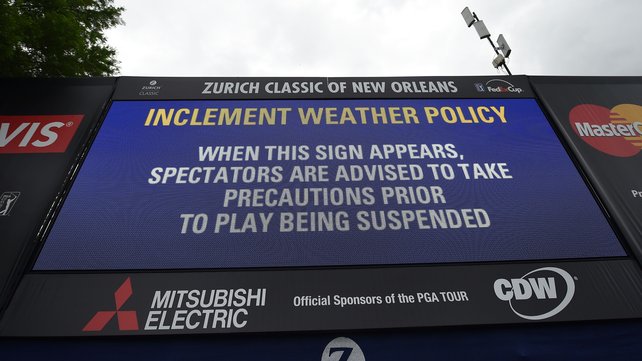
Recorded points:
(37,133)
(523,289)
(127,320)
(539,294)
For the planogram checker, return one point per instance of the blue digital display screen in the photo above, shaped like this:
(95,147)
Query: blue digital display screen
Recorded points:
(289,183)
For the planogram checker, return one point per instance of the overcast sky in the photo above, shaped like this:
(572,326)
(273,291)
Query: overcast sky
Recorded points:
(375,37)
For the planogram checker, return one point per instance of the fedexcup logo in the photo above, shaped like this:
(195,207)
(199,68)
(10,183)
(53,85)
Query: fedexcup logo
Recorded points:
(616,131)
(539,294)
(498,86)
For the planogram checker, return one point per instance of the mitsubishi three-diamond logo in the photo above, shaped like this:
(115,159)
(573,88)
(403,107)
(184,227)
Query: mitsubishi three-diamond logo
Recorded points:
(127,320)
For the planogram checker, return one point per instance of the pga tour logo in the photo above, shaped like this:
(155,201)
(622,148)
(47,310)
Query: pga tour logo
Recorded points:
(539,294)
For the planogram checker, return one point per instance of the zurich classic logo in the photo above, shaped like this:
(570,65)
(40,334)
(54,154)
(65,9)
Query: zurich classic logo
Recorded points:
(539,294)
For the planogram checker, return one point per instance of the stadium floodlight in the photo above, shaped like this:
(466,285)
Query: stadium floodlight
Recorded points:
(481,29)
(498,61)
(471,19)
(502,46)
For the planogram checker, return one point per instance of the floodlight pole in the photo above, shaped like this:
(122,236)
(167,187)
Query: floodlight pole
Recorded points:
(492,44)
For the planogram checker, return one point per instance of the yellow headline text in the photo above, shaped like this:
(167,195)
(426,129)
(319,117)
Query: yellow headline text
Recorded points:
(317,116)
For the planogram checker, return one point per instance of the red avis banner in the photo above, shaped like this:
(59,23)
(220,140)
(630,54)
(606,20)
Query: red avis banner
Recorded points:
(44,126)
(37,133)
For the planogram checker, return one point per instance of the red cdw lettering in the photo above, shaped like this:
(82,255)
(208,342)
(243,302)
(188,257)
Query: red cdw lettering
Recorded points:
(127,320)
(37,133)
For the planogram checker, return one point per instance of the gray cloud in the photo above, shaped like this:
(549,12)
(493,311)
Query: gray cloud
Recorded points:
(377,38)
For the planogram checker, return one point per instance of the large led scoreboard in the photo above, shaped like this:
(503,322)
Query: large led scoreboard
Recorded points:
(284,183)
(236,205)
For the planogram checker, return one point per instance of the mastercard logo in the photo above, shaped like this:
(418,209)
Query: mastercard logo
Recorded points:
(616,131)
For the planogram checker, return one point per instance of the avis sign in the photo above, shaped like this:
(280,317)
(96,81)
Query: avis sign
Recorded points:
(37,133)
(537,295)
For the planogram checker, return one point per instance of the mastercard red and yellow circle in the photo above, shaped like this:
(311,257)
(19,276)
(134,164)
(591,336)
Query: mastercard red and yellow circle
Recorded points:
(616,131)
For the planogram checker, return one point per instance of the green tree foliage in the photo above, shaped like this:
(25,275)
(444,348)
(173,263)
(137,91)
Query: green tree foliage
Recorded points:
(57,37)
